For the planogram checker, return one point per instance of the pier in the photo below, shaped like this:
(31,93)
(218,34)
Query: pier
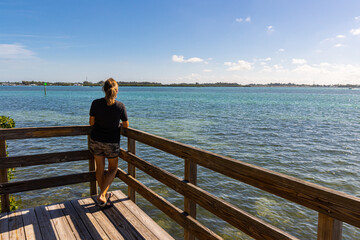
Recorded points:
(81,218)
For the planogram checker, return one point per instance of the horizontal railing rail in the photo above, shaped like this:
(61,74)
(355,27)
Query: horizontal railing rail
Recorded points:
(36,184)
(43,132)
(47,158)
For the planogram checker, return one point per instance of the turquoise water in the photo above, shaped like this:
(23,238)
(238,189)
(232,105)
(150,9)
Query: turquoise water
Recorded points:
(309,133)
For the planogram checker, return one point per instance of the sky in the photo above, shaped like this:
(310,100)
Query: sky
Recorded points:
(184,41)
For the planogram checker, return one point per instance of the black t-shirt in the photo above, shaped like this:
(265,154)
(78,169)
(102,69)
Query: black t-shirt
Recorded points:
(107,120)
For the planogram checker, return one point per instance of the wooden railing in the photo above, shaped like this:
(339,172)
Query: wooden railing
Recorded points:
(332,206)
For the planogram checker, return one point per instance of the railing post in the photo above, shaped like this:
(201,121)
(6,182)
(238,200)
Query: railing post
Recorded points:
(131,169)
(5,201)
(92,167)
(329,228)
(189,205)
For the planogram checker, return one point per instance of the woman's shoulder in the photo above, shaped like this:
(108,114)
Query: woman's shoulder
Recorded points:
(99,100)
(119,104)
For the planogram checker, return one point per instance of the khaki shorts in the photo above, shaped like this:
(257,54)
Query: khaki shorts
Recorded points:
(109,150)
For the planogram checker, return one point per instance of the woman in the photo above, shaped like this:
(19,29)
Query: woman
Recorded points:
(105,116)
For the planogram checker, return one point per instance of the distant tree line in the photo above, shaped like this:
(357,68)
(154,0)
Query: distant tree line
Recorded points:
(155,84)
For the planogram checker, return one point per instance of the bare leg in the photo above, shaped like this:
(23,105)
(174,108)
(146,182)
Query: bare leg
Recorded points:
(109,178)
(100,167)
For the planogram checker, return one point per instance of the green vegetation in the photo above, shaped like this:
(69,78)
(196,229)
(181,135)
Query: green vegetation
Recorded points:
(6,122)
(155,84)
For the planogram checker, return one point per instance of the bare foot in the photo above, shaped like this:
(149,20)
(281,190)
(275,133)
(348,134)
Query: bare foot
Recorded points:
(102,199)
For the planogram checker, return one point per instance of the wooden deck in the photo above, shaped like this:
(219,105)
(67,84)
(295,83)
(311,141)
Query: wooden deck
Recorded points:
(81,219)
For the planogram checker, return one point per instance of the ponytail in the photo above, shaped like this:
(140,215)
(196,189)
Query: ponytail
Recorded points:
(110,88)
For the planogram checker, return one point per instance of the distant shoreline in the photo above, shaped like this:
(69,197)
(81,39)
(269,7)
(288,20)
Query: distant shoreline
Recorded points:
(154,84)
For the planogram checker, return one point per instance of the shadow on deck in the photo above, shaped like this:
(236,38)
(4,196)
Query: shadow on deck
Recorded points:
(81,219)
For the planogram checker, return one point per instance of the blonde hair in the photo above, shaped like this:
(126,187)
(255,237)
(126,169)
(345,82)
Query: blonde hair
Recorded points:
(110,88)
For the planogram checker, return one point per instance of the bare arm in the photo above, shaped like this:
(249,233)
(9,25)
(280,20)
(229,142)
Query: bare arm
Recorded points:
(125,124)
(92,120)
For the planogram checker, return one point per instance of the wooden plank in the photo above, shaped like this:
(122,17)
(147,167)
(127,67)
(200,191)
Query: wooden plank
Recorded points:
(142,217)
(4,226)
(333,203)
(5,201)
(124,223)
(102,219)
(59,222)
(131,169)
(169,209)
(48,158)
(242,220)
(89,220)
(29,185)
(31,226)
(16,226)
(189,205)
(329,228)
(92,167)
(43,132)
(75,221)
(47,229)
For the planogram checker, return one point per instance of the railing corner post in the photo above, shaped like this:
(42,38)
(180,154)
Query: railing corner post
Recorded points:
(92,167)
(329,228)
(131,169)
(5,200)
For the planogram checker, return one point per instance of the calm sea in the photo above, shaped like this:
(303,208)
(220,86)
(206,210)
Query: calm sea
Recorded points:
(309,133)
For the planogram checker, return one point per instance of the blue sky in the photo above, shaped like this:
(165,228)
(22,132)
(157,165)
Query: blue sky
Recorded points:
(257,41)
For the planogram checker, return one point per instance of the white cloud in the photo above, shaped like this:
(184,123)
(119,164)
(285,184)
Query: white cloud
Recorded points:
(248,19)
(181,59)
(15,51)
(298,61)
(338,45)
(240,65)
(340,36)
(263,59)
(355,31)
(207,70)
(357,18)
(278,67)
(270,29)
(281,50)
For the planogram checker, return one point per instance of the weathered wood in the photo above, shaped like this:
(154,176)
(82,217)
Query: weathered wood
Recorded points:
(329,228)
(145,220)
(31,226)
(89,220)
(92,167)
(43,132)
(242,220)
(59,222)
(131,169)
(22,186)
(169,209)
(45,224)
(189,205)
(16,226)
(75,221)
(4,226)
(333,203)
(101,218)
(47,158)
(124,222)
(5,201)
